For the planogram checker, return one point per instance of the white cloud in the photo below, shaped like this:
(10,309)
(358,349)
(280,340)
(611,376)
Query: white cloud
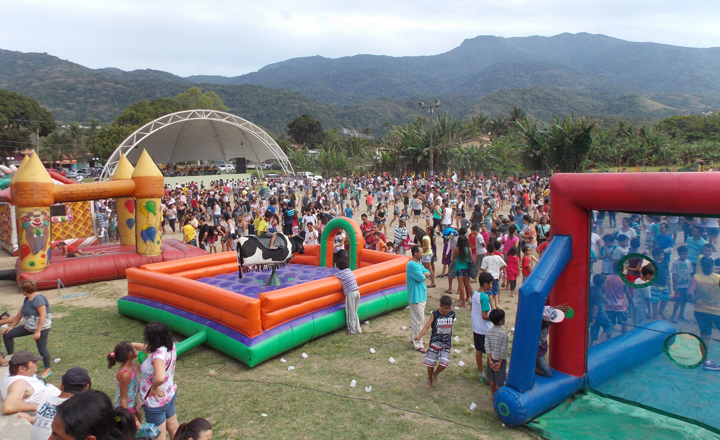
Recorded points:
(235,37)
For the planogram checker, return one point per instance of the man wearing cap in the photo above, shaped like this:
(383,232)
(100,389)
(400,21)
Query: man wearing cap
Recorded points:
(551,316)
(21,389)
(74,381)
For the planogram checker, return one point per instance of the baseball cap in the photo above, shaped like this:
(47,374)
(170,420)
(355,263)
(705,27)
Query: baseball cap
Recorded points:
(552,315)
(76,376)
(23,357)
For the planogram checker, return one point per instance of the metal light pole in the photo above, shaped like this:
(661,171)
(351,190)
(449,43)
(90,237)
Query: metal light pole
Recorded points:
(430,108)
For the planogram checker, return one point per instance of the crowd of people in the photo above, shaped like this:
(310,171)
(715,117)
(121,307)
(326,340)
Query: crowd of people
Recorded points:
(640,268)
(451,228)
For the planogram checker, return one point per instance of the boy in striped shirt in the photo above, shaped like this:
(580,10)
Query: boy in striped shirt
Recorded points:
(496,347)
(352,297)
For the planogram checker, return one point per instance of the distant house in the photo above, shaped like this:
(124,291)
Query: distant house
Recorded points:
(479,141)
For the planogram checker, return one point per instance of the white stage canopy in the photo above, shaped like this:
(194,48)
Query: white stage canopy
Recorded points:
(192,135)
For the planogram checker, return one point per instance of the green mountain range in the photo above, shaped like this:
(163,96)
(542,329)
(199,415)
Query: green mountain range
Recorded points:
(546,76)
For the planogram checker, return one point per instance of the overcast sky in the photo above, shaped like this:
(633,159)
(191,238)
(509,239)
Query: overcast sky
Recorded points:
(219,37)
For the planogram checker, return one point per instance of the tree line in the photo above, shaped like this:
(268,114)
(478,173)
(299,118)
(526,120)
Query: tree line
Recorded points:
(517,143)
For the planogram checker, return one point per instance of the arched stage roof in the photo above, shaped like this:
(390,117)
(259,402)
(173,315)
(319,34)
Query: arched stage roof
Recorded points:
(198,135)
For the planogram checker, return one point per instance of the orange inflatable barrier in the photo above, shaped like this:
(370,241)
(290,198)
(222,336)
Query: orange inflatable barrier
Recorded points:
(251,322)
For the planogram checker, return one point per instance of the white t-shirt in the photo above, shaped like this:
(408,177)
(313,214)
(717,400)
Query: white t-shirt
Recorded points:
(339,242)
(630,233)
(480,325)
(492,264)
(480,245)
(447,217)
(42,428)
(309,219)
(641,294)
(594,238)
(311,237)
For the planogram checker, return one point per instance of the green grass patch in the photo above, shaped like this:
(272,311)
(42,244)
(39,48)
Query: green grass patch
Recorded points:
(313,401)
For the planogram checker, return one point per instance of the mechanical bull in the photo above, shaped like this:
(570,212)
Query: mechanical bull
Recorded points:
(254,253)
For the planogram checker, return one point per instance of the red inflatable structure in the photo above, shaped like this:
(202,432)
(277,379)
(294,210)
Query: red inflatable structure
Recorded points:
(110,265)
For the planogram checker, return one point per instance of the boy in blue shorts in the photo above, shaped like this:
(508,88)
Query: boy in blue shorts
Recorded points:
(660,293)
(438,353)
(480,319)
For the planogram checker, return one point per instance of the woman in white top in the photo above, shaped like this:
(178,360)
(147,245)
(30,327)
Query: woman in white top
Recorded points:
(625,229)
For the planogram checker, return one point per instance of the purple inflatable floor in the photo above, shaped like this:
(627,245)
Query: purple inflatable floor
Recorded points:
(253,283)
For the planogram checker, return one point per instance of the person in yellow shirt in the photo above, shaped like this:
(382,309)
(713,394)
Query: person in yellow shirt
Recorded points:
(189,233)
(262,228)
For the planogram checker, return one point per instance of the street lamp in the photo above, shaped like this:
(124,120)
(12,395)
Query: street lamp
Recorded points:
(430,108)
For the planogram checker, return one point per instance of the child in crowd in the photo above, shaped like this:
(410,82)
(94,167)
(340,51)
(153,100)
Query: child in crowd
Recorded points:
(707,251)
(660,290)
(682,273)
(189,233)
(352,297)
(623,241)
(311,236)
(234,242)
(495,266)
(128,382)
(513,269)
(446,258)
(528,262)
(550,317)
(441,321)
(380,245)
(615,301)
(451,237)
(496,347)
(641,298)
(598,316)
(634,264)
(480,319)
(606,253)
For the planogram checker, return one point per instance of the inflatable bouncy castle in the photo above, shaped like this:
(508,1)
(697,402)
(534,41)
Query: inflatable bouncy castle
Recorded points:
(34,193)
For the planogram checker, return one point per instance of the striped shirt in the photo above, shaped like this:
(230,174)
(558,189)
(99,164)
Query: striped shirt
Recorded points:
(400,235)
(496,343)
(347,279)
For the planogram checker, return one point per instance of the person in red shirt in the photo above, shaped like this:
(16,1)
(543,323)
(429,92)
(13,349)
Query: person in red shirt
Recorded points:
(73,251)
(366,226)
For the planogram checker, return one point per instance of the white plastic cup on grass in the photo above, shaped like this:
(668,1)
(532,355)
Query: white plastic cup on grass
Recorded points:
(473,406)
(353,383)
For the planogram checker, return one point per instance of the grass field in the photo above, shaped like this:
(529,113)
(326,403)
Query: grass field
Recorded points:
(314,400)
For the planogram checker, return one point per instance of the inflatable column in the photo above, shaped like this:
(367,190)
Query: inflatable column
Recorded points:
(125,205)
(149,189)
(32,193)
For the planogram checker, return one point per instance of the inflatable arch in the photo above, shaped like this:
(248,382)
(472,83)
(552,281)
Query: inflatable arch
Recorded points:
(354,234)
